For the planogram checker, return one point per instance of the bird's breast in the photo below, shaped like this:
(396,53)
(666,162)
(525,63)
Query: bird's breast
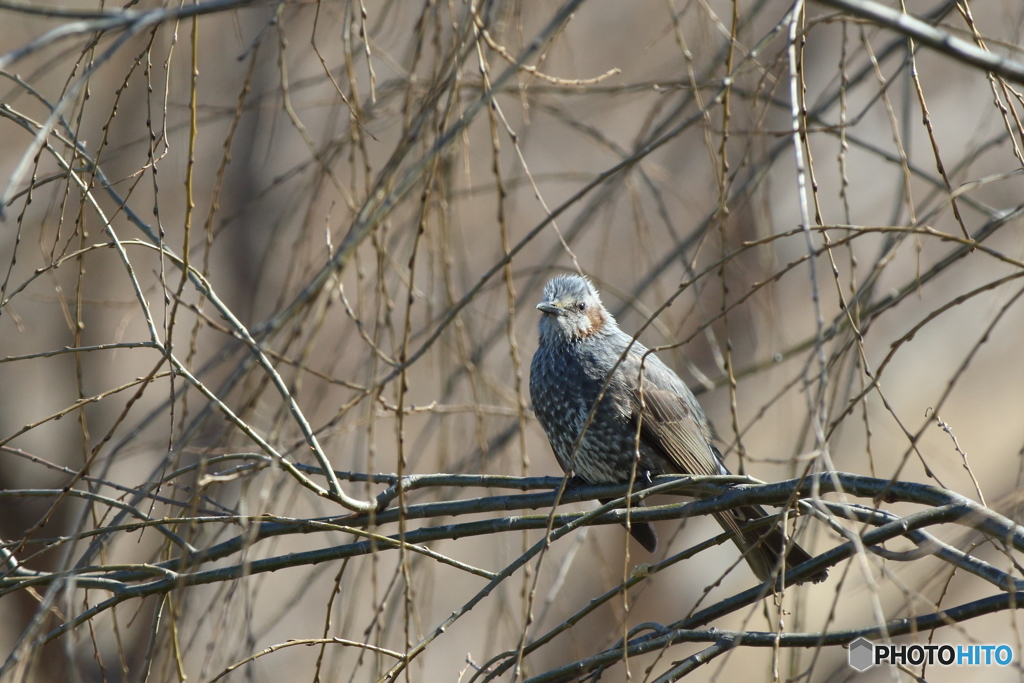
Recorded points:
(564,387)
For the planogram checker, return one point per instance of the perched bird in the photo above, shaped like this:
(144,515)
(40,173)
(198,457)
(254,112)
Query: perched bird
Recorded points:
(580,344)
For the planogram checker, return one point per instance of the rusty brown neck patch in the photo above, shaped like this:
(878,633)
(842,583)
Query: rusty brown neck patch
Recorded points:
(597,317)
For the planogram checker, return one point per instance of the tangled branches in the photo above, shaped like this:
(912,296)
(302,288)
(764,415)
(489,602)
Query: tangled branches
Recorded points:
(255,251)
(369,534)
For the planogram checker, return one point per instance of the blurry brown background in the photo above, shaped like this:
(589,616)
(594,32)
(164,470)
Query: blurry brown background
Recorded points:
(356,128)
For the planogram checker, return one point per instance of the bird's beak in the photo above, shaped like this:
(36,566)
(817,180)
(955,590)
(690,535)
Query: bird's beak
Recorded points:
(549,308)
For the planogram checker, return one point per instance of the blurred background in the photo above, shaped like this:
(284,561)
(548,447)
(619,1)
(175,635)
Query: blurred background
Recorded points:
(375,194)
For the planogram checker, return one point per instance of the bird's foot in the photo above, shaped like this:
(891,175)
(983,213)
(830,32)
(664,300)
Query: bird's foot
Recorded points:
(644,479)
(575,482)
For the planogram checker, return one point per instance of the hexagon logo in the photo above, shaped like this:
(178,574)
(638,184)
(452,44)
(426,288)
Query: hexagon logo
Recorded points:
(862,654)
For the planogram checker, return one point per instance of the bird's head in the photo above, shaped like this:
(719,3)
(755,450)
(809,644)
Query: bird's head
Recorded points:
(572,310)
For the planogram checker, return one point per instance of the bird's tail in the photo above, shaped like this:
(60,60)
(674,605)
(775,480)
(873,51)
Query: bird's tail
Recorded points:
(642,531)
(644,534)
(763,547)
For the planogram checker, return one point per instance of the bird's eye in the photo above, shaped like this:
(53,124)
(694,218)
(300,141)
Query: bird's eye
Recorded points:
(581,307)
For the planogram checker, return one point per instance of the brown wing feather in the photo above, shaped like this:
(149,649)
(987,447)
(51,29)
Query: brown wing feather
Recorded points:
(671,429)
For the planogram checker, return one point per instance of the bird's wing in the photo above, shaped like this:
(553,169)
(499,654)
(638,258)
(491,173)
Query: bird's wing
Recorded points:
(669,422)
(673,426)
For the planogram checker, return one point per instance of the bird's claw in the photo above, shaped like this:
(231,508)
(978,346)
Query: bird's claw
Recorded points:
(575,482)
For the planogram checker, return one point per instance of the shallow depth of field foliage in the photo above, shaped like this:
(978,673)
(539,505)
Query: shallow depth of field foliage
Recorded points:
(268,271)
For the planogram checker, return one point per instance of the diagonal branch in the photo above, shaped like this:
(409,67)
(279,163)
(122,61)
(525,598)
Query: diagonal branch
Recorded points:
(933,37)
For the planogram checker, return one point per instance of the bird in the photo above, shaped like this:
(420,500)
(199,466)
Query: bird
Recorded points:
(658,425)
